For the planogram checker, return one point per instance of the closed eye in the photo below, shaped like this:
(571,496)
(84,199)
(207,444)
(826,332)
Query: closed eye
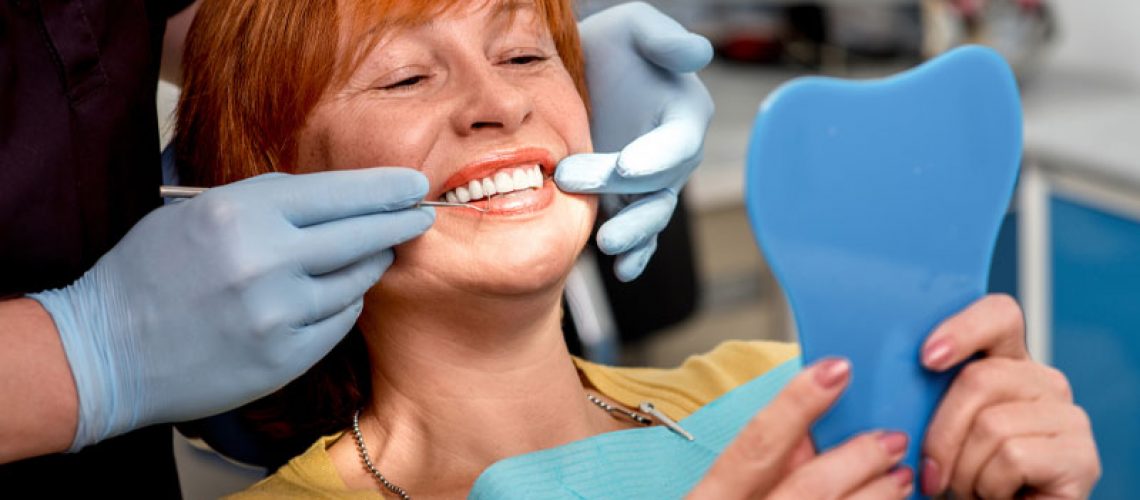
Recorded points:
(524,60)
(407,82)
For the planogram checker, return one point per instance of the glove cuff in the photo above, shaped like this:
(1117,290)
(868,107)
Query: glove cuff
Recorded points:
(84,326)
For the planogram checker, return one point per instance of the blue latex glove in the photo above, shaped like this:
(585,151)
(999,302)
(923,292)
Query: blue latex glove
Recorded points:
(213,302)
(649,114)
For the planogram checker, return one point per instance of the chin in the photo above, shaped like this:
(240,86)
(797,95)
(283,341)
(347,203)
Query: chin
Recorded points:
(461,259)
(536,274)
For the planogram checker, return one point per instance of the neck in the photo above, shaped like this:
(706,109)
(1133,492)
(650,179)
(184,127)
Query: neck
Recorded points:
(457,388)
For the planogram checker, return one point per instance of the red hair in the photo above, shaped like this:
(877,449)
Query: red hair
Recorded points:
(254,70)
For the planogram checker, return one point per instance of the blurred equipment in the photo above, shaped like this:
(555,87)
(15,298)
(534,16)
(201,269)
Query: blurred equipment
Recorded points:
(603,313)
(1019,30)
(819,35)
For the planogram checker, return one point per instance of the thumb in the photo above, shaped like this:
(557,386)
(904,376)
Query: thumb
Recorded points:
(804,452)
(681,53)
(766,448)
(664,42)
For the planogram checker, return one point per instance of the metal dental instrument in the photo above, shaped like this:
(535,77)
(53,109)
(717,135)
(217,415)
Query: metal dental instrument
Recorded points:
(448,204)
(647,407)
(179,191)
(190,192)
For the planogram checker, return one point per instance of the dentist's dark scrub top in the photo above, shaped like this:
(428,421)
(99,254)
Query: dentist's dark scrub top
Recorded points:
(79,165)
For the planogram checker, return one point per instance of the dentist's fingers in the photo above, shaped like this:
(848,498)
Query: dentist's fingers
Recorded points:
(660,158)
(993,326)
(637,223)
(333,245)
(309,199)
(680,53)
(628,266)
(678,141)
(597,173)
(666,43)
(328,294)
(319,338)
(757,460)
(585,173)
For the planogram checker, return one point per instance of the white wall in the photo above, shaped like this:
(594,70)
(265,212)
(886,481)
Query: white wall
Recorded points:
(166,102)
(1099,36)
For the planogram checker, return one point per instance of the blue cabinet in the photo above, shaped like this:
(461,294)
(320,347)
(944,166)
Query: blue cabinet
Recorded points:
(1096,329)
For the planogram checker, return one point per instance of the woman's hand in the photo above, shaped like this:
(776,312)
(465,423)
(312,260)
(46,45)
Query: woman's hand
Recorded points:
(1007,426)
(773,457)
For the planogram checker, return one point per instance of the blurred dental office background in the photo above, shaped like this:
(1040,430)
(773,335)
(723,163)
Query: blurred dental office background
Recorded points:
(1069,249)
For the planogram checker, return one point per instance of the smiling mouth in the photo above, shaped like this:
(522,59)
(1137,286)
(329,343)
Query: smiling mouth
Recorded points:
(502,183)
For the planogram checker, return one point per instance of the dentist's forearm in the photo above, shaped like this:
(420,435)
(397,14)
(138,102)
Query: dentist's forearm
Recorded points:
(38,400)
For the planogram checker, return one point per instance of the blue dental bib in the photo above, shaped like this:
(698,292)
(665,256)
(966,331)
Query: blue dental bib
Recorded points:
(651,462)
(877,205)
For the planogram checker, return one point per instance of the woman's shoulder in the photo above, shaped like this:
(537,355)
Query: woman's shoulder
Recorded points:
(308,475)
(699,380)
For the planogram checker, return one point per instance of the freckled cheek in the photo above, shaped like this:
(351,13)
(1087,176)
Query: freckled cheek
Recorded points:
(392,140)
(567,115)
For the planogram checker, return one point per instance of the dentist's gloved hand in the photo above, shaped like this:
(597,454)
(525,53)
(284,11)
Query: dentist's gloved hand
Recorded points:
(649,114)
(213,302)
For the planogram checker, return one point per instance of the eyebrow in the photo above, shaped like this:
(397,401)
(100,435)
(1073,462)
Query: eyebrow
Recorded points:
(511,7)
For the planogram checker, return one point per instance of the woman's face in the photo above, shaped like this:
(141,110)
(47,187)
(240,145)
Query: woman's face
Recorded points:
(479,101)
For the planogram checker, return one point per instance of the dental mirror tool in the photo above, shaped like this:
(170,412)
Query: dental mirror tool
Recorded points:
(190,192)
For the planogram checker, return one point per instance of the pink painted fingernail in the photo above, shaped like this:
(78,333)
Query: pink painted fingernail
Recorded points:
(904,477)
(893,442)
(931,480)
(832,372)
(936,354)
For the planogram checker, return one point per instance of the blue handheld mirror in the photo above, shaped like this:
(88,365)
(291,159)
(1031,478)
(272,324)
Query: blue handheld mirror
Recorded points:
(877,205)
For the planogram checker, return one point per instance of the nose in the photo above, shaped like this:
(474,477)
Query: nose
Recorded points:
(492,104)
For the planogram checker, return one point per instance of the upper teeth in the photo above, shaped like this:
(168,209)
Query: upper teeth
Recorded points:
(504,181)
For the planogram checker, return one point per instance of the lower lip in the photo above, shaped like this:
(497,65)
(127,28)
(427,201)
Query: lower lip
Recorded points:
(515,203)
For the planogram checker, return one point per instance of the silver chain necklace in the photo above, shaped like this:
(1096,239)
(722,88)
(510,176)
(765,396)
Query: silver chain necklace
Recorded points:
(364,457)
(646,407)
(611,409)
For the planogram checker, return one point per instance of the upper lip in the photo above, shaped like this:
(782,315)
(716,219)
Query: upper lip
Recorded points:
(489,164)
